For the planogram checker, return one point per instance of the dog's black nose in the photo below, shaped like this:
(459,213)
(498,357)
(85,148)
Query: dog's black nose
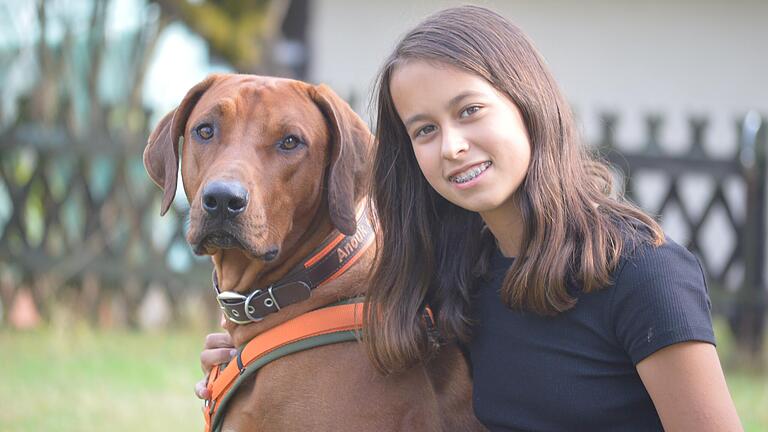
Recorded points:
(224,198)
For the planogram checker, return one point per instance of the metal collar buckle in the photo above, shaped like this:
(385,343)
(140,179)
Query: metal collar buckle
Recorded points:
(229,302)
(273,301)
(249,309)
(268,302)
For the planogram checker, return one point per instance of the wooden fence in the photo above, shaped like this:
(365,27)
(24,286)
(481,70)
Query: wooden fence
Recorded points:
(737,288)
(80,226)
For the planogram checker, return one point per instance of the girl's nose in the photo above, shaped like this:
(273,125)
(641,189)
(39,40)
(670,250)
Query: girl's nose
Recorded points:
(454,144)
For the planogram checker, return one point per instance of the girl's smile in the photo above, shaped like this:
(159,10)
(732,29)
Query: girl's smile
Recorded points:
(466,178)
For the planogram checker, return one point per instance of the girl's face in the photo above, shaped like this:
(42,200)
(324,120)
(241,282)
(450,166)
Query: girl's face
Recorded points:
(469,139)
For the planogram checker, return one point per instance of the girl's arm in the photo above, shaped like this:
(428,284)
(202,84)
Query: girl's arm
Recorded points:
(688,388)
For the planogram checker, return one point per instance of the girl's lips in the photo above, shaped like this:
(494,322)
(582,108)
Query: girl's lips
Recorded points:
(466,169)
(474,181)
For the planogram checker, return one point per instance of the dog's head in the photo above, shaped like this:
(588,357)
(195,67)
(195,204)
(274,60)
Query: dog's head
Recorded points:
(260,157)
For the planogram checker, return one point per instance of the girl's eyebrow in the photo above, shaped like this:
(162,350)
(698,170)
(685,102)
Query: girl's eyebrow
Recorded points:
(467,93)
(451,103)
(413,119)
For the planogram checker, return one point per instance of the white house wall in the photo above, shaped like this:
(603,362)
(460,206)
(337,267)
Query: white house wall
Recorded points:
(632,57)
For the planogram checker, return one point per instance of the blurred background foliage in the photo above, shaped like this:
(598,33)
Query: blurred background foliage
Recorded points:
(239,33)
(103,307)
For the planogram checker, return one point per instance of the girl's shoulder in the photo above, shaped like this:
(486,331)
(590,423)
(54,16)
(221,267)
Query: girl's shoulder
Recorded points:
(659,297)
(642,258)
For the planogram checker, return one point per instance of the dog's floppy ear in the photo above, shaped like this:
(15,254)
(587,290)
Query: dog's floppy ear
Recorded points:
(161,156)
(350,147)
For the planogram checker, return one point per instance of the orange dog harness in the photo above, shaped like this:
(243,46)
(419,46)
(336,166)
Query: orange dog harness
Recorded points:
(332,324)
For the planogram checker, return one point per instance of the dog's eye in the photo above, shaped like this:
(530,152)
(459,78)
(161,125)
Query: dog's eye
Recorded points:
(290,142)
(205,131)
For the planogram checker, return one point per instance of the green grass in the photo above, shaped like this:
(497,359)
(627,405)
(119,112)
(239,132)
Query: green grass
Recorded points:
(85,380)
(93,381)
(748,386)
(750,394)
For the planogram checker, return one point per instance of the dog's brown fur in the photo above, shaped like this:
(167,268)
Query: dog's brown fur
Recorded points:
(296,199)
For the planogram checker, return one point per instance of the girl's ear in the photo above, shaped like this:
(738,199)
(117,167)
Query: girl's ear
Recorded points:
(350,146)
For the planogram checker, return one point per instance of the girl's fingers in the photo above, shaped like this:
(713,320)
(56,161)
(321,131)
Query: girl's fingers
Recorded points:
(201,390)
(218,348)
(218,340)
(211,357)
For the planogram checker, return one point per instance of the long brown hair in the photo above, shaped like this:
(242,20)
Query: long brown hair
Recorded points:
(431,251)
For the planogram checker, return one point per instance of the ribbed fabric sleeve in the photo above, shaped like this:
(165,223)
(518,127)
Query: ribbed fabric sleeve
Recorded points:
(659,299)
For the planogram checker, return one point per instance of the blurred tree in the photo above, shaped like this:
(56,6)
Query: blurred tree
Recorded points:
(73,59)
(240,33)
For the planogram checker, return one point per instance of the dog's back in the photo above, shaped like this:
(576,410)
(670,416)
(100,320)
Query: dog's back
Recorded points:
(335,388)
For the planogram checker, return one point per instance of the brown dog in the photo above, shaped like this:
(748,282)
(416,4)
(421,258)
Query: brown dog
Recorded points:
(271,167)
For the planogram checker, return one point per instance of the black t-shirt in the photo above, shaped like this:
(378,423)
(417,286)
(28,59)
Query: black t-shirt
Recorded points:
(576,371)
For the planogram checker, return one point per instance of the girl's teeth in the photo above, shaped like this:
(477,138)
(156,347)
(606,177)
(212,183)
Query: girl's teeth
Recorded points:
(471,174)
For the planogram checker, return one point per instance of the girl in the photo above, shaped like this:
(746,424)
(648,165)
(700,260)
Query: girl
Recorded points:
(575,310)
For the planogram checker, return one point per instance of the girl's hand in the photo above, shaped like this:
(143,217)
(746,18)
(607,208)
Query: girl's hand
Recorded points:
(218,349)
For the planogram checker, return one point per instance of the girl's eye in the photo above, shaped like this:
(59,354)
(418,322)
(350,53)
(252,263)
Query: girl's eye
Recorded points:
(289,143)
(468,111)
(204,131)
(426,130)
